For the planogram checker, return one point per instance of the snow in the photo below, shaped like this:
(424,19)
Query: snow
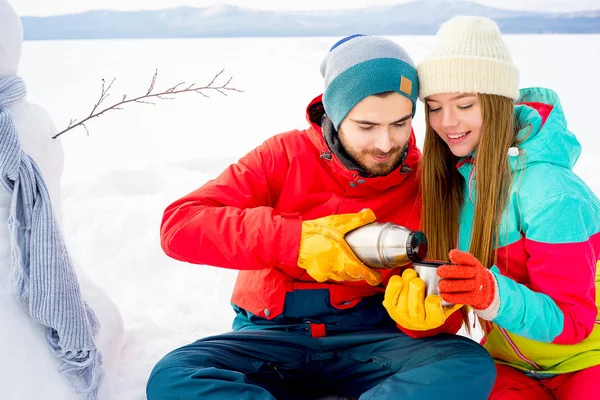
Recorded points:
(116,181)
(11,32)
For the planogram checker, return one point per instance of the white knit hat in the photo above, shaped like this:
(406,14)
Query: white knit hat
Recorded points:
(469,56)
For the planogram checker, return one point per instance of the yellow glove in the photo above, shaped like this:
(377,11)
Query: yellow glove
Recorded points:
(406,303)
(324,253)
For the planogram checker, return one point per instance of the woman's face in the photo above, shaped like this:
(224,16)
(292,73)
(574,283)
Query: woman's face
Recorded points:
(456,118)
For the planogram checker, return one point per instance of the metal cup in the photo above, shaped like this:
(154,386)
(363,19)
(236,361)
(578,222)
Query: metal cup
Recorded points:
(427,270)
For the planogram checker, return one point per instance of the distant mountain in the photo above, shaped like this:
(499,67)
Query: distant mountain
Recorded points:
(418,17)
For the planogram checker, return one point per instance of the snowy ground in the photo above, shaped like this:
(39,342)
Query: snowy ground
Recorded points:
(118,180)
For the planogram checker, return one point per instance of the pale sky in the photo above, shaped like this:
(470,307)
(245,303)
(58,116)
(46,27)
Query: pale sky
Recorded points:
(54,7)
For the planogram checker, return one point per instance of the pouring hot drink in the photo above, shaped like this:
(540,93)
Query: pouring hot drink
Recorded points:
(387,245)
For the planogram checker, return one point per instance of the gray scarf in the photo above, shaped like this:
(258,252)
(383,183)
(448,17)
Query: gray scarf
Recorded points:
(42,274)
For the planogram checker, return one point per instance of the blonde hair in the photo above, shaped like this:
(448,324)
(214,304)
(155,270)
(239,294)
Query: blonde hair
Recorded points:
(443,188)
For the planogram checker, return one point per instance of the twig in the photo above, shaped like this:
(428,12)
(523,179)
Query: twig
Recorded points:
(167,94)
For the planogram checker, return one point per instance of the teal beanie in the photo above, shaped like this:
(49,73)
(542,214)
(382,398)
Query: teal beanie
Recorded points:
(359,66)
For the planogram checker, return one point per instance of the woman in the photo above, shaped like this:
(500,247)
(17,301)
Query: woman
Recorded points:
(497,183)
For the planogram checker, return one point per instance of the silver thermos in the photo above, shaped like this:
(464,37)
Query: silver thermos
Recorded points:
(387,245)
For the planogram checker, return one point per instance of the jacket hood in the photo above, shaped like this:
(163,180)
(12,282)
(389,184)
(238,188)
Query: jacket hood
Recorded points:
(543,136)
(314,116)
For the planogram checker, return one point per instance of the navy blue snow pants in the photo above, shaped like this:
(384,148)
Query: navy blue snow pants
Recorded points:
(275,364)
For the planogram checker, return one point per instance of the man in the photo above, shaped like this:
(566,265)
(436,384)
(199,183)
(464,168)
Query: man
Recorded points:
(310,320)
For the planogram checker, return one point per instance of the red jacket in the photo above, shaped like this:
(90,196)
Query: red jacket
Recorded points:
(249,218)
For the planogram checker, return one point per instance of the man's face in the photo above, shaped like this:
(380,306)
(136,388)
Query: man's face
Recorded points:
(376,130)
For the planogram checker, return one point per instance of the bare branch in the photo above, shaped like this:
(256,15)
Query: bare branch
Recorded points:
(215,78)
(145,102)
(168,94)
(172,89)
(103,95)
(151,88)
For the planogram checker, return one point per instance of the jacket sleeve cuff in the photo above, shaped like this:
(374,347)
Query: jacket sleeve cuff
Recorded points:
(291,231)
(452,326)
(491,311)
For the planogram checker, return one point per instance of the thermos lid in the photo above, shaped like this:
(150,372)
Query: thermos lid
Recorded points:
(416,246)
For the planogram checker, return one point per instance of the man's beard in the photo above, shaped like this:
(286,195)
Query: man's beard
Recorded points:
(374,168)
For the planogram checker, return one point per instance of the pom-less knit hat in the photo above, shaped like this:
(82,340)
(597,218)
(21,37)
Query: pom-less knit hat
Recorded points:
(469,56)
(359,66)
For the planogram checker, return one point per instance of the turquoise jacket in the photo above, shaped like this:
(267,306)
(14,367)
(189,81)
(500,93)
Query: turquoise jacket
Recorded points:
(549,247)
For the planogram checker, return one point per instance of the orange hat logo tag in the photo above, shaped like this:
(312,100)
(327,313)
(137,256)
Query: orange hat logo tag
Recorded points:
(405,85)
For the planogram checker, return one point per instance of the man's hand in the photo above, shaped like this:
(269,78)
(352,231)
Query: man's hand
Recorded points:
(406,303)
(324,253)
